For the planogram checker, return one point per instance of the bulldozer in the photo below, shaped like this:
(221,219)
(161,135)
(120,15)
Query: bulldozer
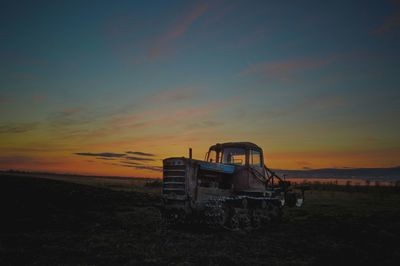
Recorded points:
(231,188)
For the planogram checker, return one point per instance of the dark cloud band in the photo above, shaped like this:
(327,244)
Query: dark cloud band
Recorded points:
(140,153)
(102,154)
(109,155)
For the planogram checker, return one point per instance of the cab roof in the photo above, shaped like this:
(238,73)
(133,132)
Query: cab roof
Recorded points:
(244,145)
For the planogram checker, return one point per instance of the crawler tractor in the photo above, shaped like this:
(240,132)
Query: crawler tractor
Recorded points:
(232,188)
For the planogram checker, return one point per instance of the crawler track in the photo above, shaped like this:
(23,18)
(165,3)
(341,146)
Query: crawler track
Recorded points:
(231,213)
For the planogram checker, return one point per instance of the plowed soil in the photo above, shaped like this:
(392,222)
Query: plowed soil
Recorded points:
(50,222)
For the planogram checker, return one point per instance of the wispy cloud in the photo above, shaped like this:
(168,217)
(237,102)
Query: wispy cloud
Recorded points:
(134,158)
(68,117)
(307,104)
(162,44)
(131,163)
(29,99)
(174,95)
(286,68)
(221,9)
(83,124)
(391,24)
(39,98)
(140,153)
(102,154)
(34,148)
(182,26)
(17,127)
(151,118)
(80,124)
(125,157)
(71,111)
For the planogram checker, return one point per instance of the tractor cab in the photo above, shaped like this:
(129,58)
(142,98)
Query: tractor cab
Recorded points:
(247,159)
(236,153)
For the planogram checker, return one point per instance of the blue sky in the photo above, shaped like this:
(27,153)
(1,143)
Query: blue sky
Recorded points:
(315,83)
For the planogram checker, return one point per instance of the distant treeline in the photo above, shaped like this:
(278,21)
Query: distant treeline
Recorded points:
(349,186)
(392,173)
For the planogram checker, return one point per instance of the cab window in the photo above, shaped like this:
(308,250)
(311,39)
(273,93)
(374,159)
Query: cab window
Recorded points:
(235,156)
(212,156)
(255,158)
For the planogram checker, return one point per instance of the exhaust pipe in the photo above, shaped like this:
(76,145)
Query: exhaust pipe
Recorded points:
(190,153)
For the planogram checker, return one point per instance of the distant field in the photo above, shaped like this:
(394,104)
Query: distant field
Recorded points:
(115,183)
(95,221)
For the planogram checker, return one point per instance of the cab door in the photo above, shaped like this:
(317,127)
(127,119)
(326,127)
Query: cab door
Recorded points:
(256,165)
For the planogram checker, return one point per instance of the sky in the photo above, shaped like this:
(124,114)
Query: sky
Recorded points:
(112,88)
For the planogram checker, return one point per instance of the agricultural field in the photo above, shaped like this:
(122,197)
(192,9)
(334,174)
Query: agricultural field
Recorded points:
(73,220)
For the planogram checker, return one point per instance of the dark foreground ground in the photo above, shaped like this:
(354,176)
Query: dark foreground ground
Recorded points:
(57,222)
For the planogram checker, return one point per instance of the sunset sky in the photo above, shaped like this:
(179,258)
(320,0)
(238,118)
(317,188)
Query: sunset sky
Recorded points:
(113,87)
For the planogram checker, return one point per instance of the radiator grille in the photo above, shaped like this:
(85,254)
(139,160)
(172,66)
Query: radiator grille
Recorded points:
(174,179)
